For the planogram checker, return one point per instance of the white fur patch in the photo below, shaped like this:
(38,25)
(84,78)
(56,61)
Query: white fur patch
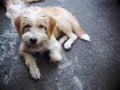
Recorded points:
(85,37)
(55,57)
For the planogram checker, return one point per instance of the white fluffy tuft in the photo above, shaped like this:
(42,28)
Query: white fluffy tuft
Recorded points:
(85,37)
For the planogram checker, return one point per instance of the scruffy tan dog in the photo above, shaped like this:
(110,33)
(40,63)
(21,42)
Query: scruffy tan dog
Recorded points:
(39,29)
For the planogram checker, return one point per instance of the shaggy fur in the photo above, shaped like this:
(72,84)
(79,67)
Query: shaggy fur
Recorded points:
(39,29)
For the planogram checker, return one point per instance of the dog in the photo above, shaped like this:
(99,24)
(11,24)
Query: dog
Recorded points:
(13,7)
(39,29)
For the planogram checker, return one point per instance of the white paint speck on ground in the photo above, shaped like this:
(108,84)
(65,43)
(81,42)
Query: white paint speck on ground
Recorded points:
(76,59)
(59,86)
(77,82)
(8,77)
(65,65)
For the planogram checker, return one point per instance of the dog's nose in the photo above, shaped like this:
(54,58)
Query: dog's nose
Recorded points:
(33,40)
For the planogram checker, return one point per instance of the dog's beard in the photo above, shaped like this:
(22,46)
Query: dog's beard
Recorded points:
(40,36)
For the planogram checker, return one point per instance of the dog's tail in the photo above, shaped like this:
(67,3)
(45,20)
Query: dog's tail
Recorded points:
(80,32)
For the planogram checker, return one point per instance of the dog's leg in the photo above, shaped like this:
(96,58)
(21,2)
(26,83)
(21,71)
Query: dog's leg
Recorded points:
(72,37)
(63,39)
(31,64)
(55,50)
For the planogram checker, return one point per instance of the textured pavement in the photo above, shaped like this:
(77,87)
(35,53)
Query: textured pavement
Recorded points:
(87,66)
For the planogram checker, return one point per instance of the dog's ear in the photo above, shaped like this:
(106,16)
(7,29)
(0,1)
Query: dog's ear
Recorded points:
(52,24)
(17,25)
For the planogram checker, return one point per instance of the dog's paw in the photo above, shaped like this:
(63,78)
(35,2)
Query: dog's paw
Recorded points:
(55,57)
(35,73)
(67,45)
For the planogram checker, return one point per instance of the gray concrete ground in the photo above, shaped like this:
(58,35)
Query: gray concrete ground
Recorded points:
(87,66)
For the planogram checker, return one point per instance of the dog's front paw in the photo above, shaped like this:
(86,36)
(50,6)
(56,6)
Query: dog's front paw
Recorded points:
(67,45)
(35,73)
(55,57)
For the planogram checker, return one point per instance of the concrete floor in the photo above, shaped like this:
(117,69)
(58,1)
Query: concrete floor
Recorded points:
(87,66)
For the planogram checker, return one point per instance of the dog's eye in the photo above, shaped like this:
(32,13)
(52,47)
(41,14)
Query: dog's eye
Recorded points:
(42,27)
(27,28)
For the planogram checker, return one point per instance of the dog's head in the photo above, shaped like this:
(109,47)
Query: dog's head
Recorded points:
(33,26)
